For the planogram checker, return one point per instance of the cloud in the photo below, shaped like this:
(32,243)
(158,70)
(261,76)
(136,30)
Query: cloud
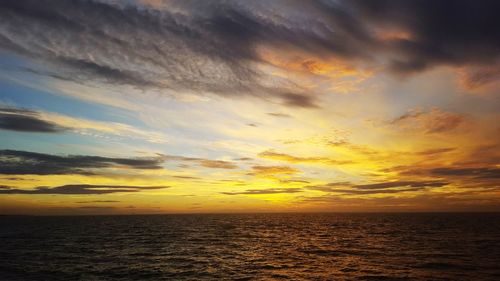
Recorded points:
(97,207)
(379,191)
(377,188)
(82,189)
(218,47)
(17,179)
(437,33)
(396,184)
(475,175)
(436,151)
(476,172)
(335,143)
(264,191)
(219,164)
(278,114)
(438,201)
(98,201)
(432,121)
(477,77)
(192,47)
(15,162)
(295,159)
(272,170)
(207,163)
(23,120)
(187,177)
(293,181)
(27,120)
(298,100)
(244,159)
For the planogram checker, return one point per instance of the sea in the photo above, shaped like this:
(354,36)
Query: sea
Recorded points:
(292,246)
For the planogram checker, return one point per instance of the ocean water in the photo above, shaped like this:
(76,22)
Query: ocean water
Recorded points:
(252,247)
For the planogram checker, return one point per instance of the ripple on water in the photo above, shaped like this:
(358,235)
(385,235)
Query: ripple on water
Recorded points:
(252,247)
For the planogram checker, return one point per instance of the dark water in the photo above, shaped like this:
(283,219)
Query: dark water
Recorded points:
(252,247)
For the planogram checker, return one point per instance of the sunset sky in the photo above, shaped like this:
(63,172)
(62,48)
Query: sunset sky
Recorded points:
(120,107)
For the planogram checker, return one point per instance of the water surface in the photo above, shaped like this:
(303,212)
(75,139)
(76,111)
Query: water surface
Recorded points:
(252,247)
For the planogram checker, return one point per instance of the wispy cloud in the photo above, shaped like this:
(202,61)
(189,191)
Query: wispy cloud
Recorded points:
(272,170)
(203,162)
(279,114)
(436,151)
(219,45)
(377,188)
(296,159)
(433,121)
(97,201)
(264,191)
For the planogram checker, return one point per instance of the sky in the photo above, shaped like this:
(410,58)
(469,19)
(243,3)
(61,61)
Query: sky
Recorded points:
(131,107)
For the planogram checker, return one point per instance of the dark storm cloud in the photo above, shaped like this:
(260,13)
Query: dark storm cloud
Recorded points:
(14,162)
(264,191)
(80,189)
(377,188)
(23,120)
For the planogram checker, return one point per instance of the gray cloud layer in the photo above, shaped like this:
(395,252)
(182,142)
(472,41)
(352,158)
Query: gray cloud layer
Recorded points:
(14,162)
(23,120)
(211,46)
(378,188)
(79,189)
(476,172)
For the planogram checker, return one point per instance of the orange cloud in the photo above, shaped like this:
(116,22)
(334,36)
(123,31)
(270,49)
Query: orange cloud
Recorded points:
(296,159)
(433,121)
(479,78)
(217,164)
(392,35)
(272,170)
(342,77)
